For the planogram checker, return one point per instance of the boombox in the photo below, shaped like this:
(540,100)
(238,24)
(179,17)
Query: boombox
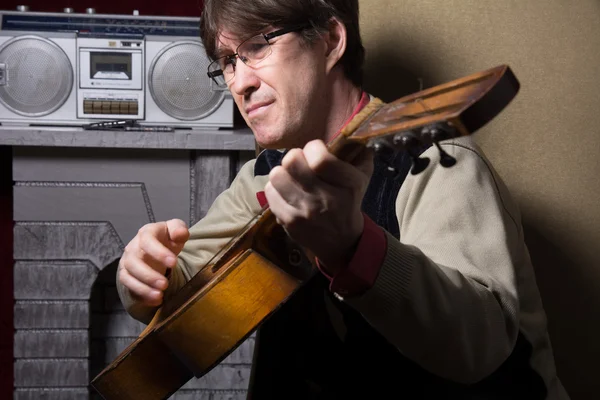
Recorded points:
(75,69)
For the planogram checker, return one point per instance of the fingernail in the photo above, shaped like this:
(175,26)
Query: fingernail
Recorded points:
(171,261)
(160,284)
(156,293)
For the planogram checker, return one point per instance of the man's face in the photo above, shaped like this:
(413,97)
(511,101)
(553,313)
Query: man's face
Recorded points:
(283,97)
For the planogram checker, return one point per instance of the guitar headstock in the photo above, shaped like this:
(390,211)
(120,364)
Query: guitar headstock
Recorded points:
(457,108)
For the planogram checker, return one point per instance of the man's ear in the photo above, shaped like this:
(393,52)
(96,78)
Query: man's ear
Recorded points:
(336,43)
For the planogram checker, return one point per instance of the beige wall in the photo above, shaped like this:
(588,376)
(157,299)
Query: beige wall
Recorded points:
(546,144)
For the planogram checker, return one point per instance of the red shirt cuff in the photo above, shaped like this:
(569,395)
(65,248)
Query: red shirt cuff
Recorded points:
(362,271)
(262,199)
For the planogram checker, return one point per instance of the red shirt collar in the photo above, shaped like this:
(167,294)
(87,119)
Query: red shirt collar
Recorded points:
(364,100)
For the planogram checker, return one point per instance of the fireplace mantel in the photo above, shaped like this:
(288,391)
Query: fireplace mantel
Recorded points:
(179,139)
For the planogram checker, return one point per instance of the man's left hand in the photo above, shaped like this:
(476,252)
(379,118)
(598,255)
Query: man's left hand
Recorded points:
(317,198)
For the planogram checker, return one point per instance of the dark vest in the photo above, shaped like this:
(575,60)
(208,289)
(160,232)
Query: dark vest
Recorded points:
(300,356)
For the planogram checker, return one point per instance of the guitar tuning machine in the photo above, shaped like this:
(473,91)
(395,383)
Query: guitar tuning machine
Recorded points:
(410,141)
(381,146)
(384,150)
(437,132)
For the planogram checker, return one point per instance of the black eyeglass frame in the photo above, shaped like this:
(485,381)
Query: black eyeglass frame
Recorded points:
(266,36)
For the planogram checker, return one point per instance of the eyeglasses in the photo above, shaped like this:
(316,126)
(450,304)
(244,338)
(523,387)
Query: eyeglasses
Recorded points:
(251,51)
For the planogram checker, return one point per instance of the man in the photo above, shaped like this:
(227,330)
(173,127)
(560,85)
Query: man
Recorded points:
(425,287)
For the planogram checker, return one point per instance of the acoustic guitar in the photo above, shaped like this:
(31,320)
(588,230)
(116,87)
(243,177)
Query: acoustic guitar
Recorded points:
(258,270)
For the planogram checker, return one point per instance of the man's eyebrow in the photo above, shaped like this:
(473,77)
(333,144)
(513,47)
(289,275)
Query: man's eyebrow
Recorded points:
(221,52)
(221,49)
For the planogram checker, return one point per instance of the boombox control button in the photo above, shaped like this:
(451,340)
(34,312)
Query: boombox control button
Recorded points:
(133,107)
(87,107)
(110,107)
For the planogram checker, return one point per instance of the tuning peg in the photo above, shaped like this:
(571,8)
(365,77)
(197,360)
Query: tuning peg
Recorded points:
(381,147)
(446,159)
(384,152)
(409,141)
(436,133)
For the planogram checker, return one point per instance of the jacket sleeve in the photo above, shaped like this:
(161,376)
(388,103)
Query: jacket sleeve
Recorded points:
(229,213)
(446,294)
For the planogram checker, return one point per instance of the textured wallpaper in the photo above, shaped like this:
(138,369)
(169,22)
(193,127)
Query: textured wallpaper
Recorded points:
(545,145)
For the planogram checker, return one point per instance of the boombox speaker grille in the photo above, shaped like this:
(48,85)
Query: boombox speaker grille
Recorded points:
(39,76)
(178,82)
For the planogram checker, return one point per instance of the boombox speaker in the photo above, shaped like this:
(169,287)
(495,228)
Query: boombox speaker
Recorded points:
(179,87)
(36,75)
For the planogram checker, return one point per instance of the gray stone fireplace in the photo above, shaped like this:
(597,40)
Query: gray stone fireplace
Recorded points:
(77,201)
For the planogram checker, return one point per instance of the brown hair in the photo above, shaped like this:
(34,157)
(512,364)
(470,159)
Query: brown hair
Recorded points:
(244,18)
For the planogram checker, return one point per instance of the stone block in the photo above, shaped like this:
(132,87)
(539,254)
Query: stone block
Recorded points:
(51,343)
(51,372)
(117,324)
(209,395)
(51,314)
(243,354)
(53,280)
(212,174)
(52,394)
(106,350)
(76,240)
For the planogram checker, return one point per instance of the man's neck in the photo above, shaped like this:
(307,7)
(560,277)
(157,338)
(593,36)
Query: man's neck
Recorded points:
(345,97)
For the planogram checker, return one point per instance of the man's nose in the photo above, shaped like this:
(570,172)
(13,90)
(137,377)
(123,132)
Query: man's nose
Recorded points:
(245,80)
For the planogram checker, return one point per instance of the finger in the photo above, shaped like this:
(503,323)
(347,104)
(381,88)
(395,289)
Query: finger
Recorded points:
(286,187)
(177,231)
(139,290)
(145,273)
(296,165)
(153,251)
(281,209)
(328,167)
(172,233)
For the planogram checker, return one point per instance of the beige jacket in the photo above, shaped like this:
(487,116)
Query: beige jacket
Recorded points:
(461,267)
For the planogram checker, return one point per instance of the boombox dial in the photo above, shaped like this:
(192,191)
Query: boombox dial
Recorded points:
(178,82)
(28,61)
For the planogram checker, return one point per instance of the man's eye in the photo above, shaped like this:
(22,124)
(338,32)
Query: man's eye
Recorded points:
(226,61)
(254,51)
(255,47)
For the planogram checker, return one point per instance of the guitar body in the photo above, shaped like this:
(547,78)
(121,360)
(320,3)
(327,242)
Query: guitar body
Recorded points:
(251,277)
(216,321)
(211,315)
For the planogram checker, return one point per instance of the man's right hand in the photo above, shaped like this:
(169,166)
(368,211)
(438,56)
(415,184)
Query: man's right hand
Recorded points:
(147,257)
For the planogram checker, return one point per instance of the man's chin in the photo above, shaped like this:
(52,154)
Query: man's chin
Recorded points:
(268,140)
(270,145)
(274,137)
